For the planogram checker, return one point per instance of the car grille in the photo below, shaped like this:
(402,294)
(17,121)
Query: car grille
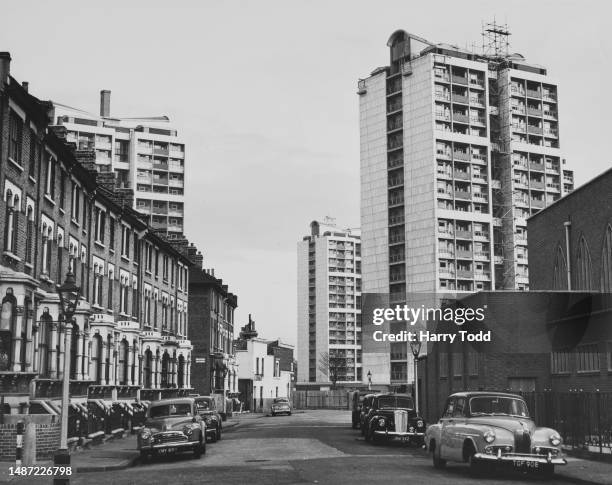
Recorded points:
(169,437)
(522,441)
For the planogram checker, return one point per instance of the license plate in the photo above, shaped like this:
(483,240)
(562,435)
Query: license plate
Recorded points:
(526,464)
(166,451)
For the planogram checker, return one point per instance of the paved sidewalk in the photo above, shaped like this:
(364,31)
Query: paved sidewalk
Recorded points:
(578,470)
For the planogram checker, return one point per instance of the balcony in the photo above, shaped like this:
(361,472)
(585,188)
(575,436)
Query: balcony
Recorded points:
(464,254)
(548,96)
(482,276)
(481,256)
(444,154)
(161,151)
(478,177)
(519,128)
(396,181)
(536,130)
(442,116)
(550,114)
(397,277)
(399,219)
(445,253)
(481,236)
(477,121)
(463,195)
(465,274)
(443,96)
(461,175)
(459,155)
(531,93)
(460,117)
(446,233)
(477,101)
(480,197)
(160,166)
(539,166)
(535,184)
(394,106)
(459,79)
(476,82)
(444,173)
(551,133)
(441,76)
(537,203)
(395,124)
(446,273)
(479,158)
(520,109)
(534,112)
(459,98)
(396,258)
(396,200)
(463,234)
(397,239)
(398,162)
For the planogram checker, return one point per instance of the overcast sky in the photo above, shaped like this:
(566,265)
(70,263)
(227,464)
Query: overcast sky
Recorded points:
(264,94)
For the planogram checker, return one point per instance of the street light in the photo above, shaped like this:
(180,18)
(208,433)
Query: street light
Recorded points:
(415,347)
(69,294)
(369,381)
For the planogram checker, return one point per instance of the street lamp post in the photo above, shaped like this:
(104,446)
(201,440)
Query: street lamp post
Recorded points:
(369,381)
(69,294)
(415,347)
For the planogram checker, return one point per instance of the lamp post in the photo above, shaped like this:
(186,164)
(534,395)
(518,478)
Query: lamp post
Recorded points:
(369,381)
(69,294)
(415,347)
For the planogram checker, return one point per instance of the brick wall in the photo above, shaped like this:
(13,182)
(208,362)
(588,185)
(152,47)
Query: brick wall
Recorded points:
(47,440)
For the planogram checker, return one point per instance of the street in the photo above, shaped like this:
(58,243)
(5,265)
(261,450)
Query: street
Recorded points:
(311,447)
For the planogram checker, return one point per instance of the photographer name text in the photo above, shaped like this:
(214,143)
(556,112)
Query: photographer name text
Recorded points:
(427,336)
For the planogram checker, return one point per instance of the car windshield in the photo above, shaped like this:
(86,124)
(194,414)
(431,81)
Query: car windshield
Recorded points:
(281,401)
(498,405)
(395,402)
(183,409)
(203,405)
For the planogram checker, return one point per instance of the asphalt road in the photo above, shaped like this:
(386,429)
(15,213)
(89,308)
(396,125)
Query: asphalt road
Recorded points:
(313,447)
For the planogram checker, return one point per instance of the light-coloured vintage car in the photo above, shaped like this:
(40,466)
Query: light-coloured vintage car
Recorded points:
(492,428)
(206,407)
(281,405)
(172,426)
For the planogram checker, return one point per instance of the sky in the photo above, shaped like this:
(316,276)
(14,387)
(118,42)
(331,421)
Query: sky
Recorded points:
(264,95)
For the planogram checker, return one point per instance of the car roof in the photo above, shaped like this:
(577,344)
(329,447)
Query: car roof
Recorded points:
(485,393)
(393,394)
(175,400)
(200,398)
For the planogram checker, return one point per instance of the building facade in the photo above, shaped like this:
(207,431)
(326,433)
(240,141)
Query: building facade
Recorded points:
(458,149)
(265,369)
(571,246)
(211,324)
(146,154)
(329,306)
(57,212)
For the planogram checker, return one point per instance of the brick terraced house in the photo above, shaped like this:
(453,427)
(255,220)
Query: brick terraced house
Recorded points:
(129,340)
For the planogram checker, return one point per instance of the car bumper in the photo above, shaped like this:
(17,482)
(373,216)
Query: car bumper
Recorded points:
(179,445)
(522,458)
(398,434)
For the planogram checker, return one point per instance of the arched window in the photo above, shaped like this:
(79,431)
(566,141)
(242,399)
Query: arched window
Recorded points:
(147,369)
(606,262)
(165,368)
(583,267)
(7,327)
(29,256)
(44,341)
(122,367)
(10,232)
(180,377)
(108,358)
(560,270)
(96,359)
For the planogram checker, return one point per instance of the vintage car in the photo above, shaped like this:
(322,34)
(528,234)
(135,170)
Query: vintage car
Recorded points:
(391,417)
(357,404)
(206,407)
(172,426)
(494,428)
(281,405)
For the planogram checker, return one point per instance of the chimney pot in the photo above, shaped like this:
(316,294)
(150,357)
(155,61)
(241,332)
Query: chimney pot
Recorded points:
(105,103)
(25,85)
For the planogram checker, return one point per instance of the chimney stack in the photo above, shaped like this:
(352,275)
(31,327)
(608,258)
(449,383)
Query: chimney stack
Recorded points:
(25,85)
(5,68)
(105,103)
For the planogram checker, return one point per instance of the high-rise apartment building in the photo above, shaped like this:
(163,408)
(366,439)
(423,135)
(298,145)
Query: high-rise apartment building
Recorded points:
(145,153)
(458,149)
(329,302)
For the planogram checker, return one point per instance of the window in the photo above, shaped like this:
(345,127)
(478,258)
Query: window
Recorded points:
(7,327)
(157,262)
(99,224)
(122,367)
(111,242)
(29,256)
(76,202)
(122,150)
(10,230)
(15,137)
(50,177)
(62,199)
(111,277)
(34,154)
(97,284)
(165,268)
(587,358)
(457,364)
(443,364)
(472,364)
(560,362)
(125,241)
(136,246)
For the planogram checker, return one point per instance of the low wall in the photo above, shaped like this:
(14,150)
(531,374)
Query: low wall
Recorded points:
(41,436)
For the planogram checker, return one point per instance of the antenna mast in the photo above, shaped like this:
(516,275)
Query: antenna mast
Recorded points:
(495,40)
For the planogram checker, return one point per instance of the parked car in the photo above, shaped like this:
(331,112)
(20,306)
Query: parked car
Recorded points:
(494,428)
(281,405)
(365,406)
(357,404)
(206,407)
(172,426)
(392,417)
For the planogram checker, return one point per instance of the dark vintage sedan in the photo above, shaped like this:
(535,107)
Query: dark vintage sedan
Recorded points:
(172,426)
(357,405)
(363,412)
(206,407)
(392,417)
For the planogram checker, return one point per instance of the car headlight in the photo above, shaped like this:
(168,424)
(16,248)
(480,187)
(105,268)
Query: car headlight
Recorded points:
(381,422)
(207,420)
(420,423)
(555,439)
(188,430)
(489,436)
(145,434)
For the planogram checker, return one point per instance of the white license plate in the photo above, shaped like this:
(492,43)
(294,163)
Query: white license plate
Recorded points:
(526,464)
(166,451)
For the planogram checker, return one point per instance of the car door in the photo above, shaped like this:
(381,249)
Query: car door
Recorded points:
(457,429)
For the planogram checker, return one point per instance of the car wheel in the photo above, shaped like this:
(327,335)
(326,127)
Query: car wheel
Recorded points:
(213,437)
(273,413)
(438,462)
(289,413)
(476,466)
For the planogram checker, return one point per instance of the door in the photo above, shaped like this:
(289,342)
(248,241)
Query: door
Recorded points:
(446,429)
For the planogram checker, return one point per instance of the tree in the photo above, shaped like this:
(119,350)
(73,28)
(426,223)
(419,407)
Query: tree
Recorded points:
(332,365)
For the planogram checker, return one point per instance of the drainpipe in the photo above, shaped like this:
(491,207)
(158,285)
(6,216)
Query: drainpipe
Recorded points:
(567,225)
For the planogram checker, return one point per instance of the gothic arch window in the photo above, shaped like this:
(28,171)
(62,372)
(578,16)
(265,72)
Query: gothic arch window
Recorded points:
(560,270)
(44,341)
(606,262)
(10,231)
(148,369)
(165,369)
(29,256)
(122,367)
(181,372)
(74,350)
(96,359)
(7,328)
(583,267)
